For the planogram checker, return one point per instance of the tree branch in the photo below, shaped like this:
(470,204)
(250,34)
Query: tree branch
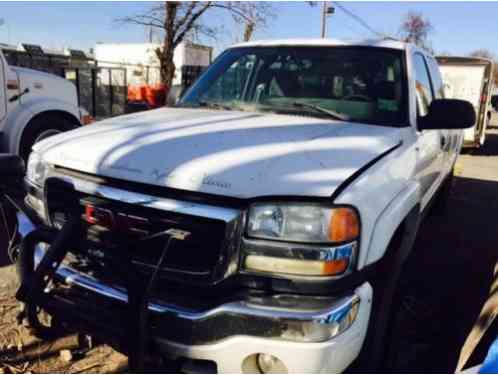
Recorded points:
(144,22)
(195,16)
(186,16)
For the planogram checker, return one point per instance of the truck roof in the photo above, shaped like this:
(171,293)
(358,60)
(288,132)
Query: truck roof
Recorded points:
(323,42)
(464,60)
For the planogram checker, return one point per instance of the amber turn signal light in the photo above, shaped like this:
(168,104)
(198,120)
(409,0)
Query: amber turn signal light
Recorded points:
(344,225)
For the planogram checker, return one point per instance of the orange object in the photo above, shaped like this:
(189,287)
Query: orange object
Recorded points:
(344,225)
(87,119)
(153,95)
(335,267)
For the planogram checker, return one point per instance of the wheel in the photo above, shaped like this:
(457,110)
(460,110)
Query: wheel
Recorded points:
(373,355)
(41,127)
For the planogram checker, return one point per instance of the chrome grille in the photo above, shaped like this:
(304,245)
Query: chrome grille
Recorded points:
(206,256)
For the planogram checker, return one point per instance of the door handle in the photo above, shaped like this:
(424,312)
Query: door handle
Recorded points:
(16,97)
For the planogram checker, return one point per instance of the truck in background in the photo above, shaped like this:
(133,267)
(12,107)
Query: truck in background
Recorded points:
(143,74)
(34,105)
(100,91)
(470,78)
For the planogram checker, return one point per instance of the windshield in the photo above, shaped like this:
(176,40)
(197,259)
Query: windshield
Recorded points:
(345,83)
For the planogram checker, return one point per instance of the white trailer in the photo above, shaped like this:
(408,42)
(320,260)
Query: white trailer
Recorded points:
(470,78)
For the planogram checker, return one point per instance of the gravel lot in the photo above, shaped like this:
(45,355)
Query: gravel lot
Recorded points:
(444,285)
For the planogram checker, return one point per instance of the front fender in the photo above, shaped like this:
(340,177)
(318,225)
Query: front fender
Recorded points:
(19,118)
(400,208)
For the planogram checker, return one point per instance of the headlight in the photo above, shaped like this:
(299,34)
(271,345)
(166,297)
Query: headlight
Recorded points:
(303,223)
(37,169)
(301,239)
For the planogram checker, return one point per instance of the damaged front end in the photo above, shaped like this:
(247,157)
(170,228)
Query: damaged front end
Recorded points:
(163,274)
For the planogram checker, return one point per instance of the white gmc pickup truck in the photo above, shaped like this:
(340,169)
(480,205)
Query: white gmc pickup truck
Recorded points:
(264,219)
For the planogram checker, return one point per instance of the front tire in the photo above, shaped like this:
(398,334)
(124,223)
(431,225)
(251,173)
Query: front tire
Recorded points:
(374,355)
(41,127)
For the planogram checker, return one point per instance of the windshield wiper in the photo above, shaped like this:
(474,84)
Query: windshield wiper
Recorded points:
(205,103)
(329,112)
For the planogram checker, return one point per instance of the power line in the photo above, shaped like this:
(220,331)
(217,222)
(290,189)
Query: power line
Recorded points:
(353,28)
(358,19)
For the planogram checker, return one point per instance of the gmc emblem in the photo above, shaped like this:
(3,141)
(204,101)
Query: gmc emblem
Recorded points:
(116,222)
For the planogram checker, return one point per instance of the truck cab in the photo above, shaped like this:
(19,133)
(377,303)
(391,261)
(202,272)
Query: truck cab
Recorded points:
(263,222)
(34,105)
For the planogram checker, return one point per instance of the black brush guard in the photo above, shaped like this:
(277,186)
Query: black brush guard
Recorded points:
(133,331)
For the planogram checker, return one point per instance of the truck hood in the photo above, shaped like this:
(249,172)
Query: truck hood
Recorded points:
(235,154)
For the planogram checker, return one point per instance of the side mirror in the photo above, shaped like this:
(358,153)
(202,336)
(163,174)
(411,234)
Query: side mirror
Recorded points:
(448,114)
(11,171)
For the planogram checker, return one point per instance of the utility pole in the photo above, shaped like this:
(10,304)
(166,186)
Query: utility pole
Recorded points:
(326,11)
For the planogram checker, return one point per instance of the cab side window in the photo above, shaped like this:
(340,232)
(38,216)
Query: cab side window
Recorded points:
(437,81)
(423,85)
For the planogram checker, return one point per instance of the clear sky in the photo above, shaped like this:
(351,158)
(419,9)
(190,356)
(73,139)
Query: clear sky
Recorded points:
(459,27)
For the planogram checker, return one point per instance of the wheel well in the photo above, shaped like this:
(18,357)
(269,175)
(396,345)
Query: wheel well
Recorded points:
(375,346)
(70,118)
(66,115)
(404,235)
(396,239)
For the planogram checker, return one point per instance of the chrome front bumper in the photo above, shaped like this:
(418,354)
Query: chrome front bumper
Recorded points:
(282,317)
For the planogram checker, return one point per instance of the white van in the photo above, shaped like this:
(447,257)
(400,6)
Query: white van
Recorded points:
(470,78)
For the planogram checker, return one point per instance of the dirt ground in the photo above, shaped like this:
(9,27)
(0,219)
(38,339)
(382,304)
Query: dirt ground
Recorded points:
(21,352)
(444,285)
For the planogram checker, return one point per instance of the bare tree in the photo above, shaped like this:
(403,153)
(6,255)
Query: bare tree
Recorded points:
(253,15)
(415,28)
(179,21)
(482,52)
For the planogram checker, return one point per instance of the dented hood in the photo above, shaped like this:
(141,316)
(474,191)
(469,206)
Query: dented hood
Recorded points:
(236,154)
